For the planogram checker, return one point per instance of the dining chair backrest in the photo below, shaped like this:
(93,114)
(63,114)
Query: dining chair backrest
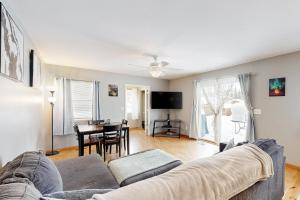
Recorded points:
(124,122)
(76,129)
(109,129)
(96,122)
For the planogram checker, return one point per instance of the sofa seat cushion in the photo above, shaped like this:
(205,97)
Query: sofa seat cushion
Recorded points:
(19,190)
(37,168)
(86,172)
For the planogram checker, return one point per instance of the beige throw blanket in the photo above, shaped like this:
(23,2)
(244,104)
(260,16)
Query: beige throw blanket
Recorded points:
(219,177)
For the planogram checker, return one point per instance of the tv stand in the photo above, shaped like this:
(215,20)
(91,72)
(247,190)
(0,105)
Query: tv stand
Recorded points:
(172,128)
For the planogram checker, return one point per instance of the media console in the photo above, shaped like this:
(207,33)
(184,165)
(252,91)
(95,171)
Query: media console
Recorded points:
(172,127)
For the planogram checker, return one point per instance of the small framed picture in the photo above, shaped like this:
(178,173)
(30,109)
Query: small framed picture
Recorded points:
(112,90)
(35,70)
(277,87)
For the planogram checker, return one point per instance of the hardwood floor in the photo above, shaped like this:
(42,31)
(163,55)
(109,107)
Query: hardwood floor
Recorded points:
(292,182)
(186,150)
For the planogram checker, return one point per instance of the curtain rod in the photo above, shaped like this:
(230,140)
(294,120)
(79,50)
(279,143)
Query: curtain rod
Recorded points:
(224,76)
(72,79)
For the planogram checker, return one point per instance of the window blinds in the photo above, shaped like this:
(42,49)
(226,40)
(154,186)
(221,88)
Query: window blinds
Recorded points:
(82,100)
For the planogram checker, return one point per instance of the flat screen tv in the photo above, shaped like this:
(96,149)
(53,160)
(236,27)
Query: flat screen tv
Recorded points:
(166,100)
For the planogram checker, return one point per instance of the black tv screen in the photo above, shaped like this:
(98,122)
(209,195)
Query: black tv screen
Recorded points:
(166,100)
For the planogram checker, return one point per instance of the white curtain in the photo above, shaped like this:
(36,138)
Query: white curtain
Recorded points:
(63,110)
(216,92)
(96,100)
(244,80)
(195,125)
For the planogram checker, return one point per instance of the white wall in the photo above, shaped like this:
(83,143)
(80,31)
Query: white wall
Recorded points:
(280,117)
(21,111)
(111,107)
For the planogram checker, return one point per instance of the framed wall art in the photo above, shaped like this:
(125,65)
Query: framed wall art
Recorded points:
(112,90)
(35,70)
(277,87)
(12,47)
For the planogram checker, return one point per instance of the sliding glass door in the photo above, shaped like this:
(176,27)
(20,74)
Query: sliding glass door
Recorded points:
(222,111)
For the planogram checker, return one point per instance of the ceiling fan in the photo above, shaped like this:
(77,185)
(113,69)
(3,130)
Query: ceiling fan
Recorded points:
(156,68)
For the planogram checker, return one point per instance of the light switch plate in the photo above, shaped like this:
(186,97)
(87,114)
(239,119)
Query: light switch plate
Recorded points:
(257,111)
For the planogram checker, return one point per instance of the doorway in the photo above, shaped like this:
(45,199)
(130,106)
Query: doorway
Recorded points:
(137,107)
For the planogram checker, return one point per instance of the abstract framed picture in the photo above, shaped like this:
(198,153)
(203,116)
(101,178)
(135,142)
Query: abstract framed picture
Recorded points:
(12,47)
(277,87)
(112,90)
(35,70)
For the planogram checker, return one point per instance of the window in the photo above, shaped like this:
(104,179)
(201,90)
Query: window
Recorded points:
(82,100)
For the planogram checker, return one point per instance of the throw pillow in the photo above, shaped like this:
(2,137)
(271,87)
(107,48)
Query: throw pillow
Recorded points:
(264,143)
(37,168)
(19,191)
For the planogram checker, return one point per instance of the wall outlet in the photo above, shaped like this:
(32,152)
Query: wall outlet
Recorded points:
(257,111)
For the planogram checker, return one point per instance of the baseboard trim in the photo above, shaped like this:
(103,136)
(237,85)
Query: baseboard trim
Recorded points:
(184,136)
(293,166)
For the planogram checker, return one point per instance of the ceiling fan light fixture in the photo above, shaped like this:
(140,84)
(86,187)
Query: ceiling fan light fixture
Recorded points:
(156,73)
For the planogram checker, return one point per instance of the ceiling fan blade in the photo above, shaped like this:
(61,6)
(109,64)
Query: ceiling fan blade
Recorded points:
(164,63)
(139,67)
(173,69)
(142,66)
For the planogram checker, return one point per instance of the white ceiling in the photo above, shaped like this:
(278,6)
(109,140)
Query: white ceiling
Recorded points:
(195,35)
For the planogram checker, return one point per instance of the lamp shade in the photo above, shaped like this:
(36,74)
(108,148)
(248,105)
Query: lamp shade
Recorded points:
(51,88)
(52,85)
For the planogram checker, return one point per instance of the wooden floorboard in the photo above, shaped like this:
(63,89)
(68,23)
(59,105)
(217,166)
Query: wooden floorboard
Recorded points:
(186,150)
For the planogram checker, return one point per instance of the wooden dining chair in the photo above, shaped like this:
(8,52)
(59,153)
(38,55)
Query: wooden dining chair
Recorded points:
(92,140)
(111,136)
(100,134)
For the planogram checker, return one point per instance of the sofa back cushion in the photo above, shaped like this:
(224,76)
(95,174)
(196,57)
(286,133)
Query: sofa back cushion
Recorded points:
(37,168)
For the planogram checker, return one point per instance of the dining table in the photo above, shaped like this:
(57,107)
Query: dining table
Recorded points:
(88,129)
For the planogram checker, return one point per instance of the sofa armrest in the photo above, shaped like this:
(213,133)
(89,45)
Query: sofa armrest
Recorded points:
(272,188)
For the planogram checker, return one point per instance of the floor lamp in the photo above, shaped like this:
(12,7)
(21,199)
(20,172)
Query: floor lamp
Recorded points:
(52,100)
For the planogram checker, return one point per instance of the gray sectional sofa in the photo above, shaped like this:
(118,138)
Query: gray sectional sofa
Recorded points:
(32,175)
